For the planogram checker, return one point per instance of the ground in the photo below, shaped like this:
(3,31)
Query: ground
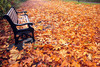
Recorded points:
(66,33)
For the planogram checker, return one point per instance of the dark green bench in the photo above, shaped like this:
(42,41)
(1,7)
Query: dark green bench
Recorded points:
(19,34)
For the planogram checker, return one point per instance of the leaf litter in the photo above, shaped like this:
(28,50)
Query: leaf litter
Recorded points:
(67,34)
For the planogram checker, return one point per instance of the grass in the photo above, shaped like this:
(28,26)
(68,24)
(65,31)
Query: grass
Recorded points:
(76,2)
(9,38)
(35,47)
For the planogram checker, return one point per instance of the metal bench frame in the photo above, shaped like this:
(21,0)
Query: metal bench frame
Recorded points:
(22,34)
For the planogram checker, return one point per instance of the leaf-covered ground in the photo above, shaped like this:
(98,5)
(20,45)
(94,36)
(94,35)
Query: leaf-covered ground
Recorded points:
(67,34)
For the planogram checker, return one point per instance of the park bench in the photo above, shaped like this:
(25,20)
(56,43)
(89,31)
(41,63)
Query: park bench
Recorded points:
(19,34)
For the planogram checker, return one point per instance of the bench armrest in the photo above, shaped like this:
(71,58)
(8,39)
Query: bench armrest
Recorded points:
(22,12)
(24,15)
(24,24)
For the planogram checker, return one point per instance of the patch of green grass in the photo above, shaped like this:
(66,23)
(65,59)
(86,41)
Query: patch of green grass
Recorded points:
(9,38)
(5,23)
(86,3)
(35,44)
(35,47)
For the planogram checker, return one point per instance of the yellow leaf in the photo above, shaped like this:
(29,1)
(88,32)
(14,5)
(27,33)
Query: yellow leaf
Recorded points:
(62,41)
(90,56)
(40,27)
(14,51)
(50,60)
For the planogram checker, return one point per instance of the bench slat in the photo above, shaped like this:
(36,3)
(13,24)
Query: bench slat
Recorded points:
(13,16)
(10,12)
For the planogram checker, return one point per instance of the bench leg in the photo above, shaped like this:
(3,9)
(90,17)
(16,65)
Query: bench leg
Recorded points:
(33,35)
(16,40)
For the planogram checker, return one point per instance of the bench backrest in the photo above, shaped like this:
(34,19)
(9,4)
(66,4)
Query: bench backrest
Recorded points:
(12,18)
(13,15)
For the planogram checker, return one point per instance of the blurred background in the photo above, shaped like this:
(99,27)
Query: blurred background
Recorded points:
(98,1)
(5,5)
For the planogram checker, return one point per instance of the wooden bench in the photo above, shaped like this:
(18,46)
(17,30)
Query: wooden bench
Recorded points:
(19,34)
